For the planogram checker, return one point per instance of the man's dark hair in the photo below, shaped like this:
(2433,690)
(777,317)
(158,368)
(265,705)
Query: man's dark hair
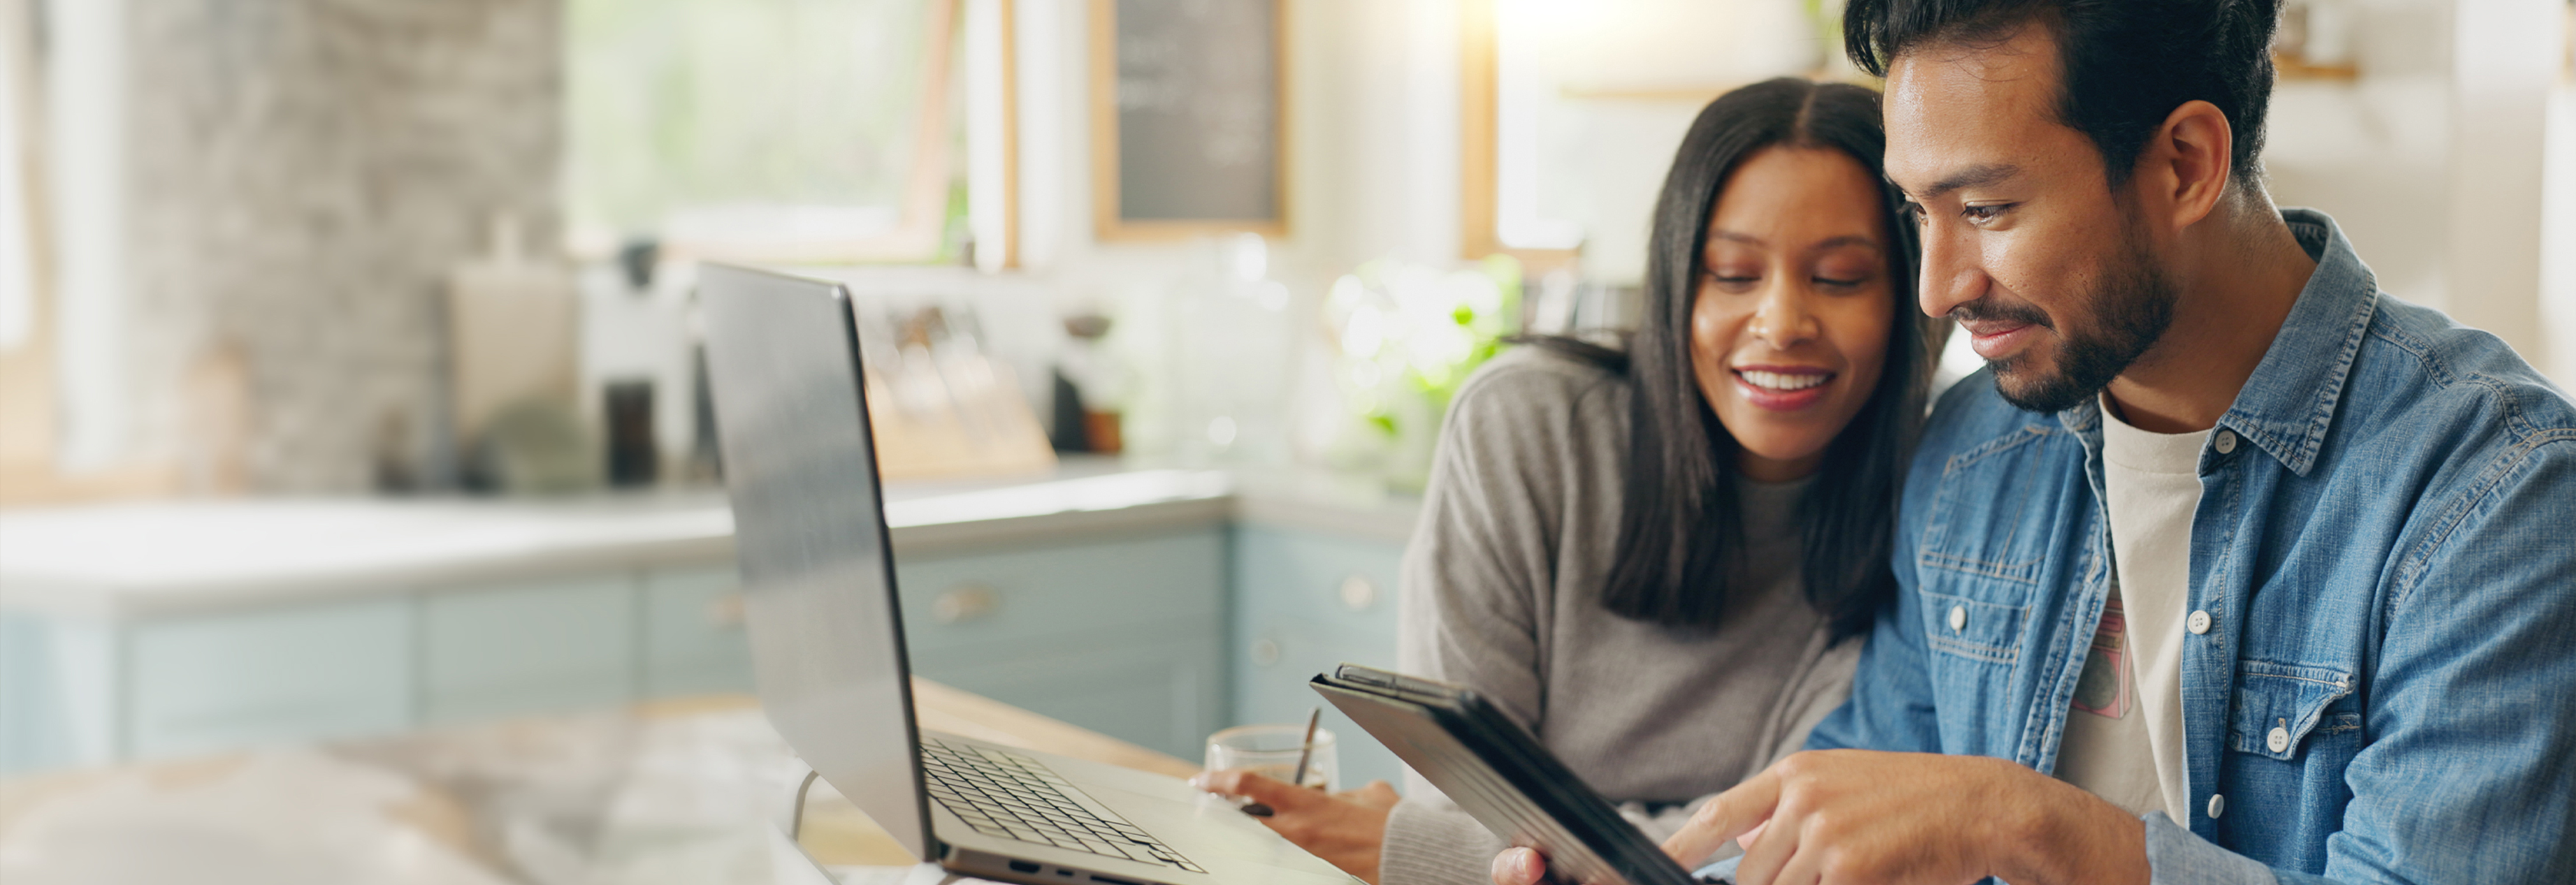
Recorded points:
(2127,63)
(1680,556)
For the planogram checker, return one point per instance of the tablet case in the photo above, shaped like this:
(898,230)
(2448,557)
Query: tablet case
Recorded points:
(1499,774)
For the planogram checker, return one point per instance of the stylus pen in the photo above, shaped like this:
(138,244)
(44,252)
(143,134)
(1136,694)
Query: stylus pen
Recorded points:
(1306,752)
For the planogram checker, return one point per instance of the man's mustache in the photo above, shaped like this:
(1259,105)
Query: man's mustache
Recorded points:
(1987,310)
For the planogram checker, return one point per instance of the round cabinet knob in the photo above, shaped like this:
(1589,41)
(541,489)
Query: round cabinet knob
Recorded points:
(1265,652)
(1358,593)
(1958,618)
(965,602)
(725,610)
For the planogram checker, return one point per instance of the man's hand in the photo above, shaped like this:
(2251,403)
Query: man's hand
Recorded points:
(1862,816)
(1838,816)
(1346,829)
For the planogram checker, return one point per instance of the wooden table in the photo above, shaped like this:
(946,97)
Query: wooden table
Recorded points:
(837,834)
(456,811)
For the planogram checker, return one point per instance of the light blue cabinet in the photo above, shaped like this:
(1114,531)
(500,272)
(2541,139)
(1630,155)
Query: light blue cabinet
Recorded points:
(693,637)
(1117,635)
(212,683)
(522,649)
(1159,692)
(1304,603)
(58,697)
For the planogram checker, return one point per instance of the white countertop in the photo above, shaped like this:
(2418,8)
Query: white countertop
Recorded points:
(164,558)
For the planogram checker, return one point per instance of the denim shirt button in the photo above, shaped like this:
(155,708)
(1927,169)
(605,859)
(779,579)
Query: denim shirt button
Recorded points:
(2225,442)
(2198,623)
(1958,618)
(2217,805)
(2278,740)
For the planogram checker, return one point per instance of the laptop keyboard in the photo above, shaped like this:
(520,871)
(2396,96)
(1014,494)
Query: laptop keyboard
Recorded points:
(1010,796)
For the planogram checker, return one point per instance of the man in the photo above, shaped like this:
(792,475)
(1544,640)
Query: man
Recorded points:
(2230,568)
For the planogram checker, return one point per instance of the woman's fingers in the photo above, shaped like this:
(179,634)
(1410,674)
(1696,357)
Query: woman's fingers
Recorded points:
(1378,793)
(1519,866)
(1276,794)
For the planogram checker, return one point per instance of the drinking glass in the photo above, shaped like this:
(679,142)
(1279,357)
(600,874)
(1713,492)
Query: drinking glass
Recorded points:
(1272,750)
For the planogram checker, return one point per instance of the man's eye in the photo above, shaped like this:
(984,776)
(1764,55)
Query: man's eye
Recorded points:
(1914,212)
(1984,212)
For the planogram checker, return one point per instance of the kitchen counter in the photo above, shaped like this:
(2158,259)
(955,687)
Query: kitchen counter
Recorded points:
(146,560)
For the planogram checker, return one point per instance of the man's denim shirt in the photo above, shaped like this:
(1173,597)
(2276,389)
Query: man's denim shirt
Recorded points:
(2386,550)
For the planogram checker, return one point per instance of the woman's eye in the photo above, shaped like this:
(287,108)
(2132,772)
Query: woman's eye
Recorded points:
(1724,279)
(1841,283)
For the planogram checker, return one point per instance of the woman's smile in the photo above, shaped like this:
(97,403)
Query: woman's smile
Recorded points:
(1783,388)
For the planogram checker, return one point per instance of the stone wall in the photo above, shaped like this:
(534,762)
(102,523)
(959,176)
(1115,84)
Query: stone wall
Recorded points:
(301,176)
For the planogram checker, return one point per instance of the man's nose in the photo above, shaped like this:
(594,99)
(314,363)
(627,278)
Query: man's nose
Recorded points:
(1951,273)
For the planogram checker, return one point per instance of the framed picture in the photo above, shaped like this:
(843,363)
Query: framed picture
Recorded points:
(1189,118)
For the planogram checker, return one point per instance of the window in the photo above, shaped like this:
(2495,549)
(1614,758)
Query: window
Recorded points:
(776,130)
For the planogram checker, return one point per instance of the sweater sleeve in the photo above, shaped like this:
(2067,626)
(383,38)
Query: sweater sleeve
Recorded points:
(1475,580)
(1481,563)
(1431,842)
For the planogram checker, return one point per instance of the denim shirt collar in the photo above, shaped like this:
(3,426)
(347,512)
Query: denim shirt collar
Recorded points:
(2289,402)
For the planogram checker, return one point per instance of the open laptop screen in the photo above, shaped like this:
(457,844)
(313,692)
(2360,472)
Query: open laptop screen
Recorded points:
(810,539)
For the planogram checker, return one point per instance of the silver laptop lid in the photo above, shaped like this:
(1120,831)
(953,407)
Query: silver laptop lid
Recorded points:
(810,538)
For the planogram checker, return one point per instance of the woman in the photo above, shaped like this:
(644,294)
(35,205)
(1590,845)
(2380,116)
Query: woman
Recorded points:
(1660,561)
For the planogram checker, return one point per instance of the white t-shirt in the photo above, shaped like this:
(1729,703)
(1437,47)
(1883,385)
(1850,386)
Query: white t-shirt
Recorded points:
(2124,739)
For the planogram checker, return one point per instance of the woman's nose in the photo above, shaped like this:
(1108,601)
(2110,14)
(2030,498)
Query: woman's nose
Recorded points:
(1782,317)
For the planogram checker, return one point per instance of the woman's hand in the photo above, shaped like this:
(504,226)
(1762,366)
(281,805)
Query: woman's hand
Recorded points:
(1345,829)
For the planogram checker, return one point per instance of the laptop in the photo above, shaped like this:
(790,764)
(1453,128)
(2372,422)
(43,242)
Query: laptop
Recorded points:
(827,635)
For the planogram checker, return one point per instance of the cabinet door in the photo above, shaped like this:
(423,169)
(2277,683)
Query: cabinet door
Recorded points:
(58,698)
(1006,597)
(1305,603)
(693,637)
(225,681)
(527,649)
(1161,693)
(1116,636)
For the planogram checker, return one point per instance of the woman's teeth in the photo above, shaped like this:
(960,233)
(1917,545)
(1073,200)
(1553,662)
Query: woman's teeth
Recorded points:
(1778,381)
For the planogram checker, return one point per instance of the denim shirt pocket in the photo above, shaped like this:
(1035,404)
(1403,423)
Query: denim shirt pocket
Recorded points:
(1985,632)
(1992,529)
(2279,706)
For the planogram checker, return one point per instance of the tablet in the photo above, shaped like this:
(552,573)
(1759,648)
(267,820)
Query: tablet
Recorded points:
(1496,772)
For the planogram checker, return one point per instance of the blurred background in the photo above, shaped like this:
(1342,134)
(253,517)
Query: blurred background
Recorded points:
(354,440)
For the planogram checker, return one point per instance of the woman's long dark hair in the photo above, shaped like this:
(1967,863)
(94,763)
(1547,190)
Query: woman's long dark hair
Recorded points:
(1681,537)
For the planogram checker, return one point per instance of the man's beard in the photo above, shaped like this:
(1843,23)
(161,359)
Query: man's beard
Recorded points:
(2134,304)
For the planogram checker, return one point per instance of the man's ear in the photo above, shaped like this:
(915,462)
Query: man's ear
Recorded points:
(2186,164)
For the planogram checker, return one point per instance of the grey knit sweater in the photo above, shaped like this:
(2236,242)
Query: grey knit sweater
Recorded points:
(1500,592)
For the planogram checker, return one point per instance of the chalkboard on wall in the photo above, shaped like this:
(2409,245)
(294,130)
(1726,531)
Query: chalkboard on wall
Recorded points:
(1188,118)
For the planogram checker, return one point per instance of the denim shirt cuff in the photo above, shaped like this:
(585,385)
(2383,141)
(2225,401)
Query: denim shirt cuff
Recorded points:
(2176,857)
